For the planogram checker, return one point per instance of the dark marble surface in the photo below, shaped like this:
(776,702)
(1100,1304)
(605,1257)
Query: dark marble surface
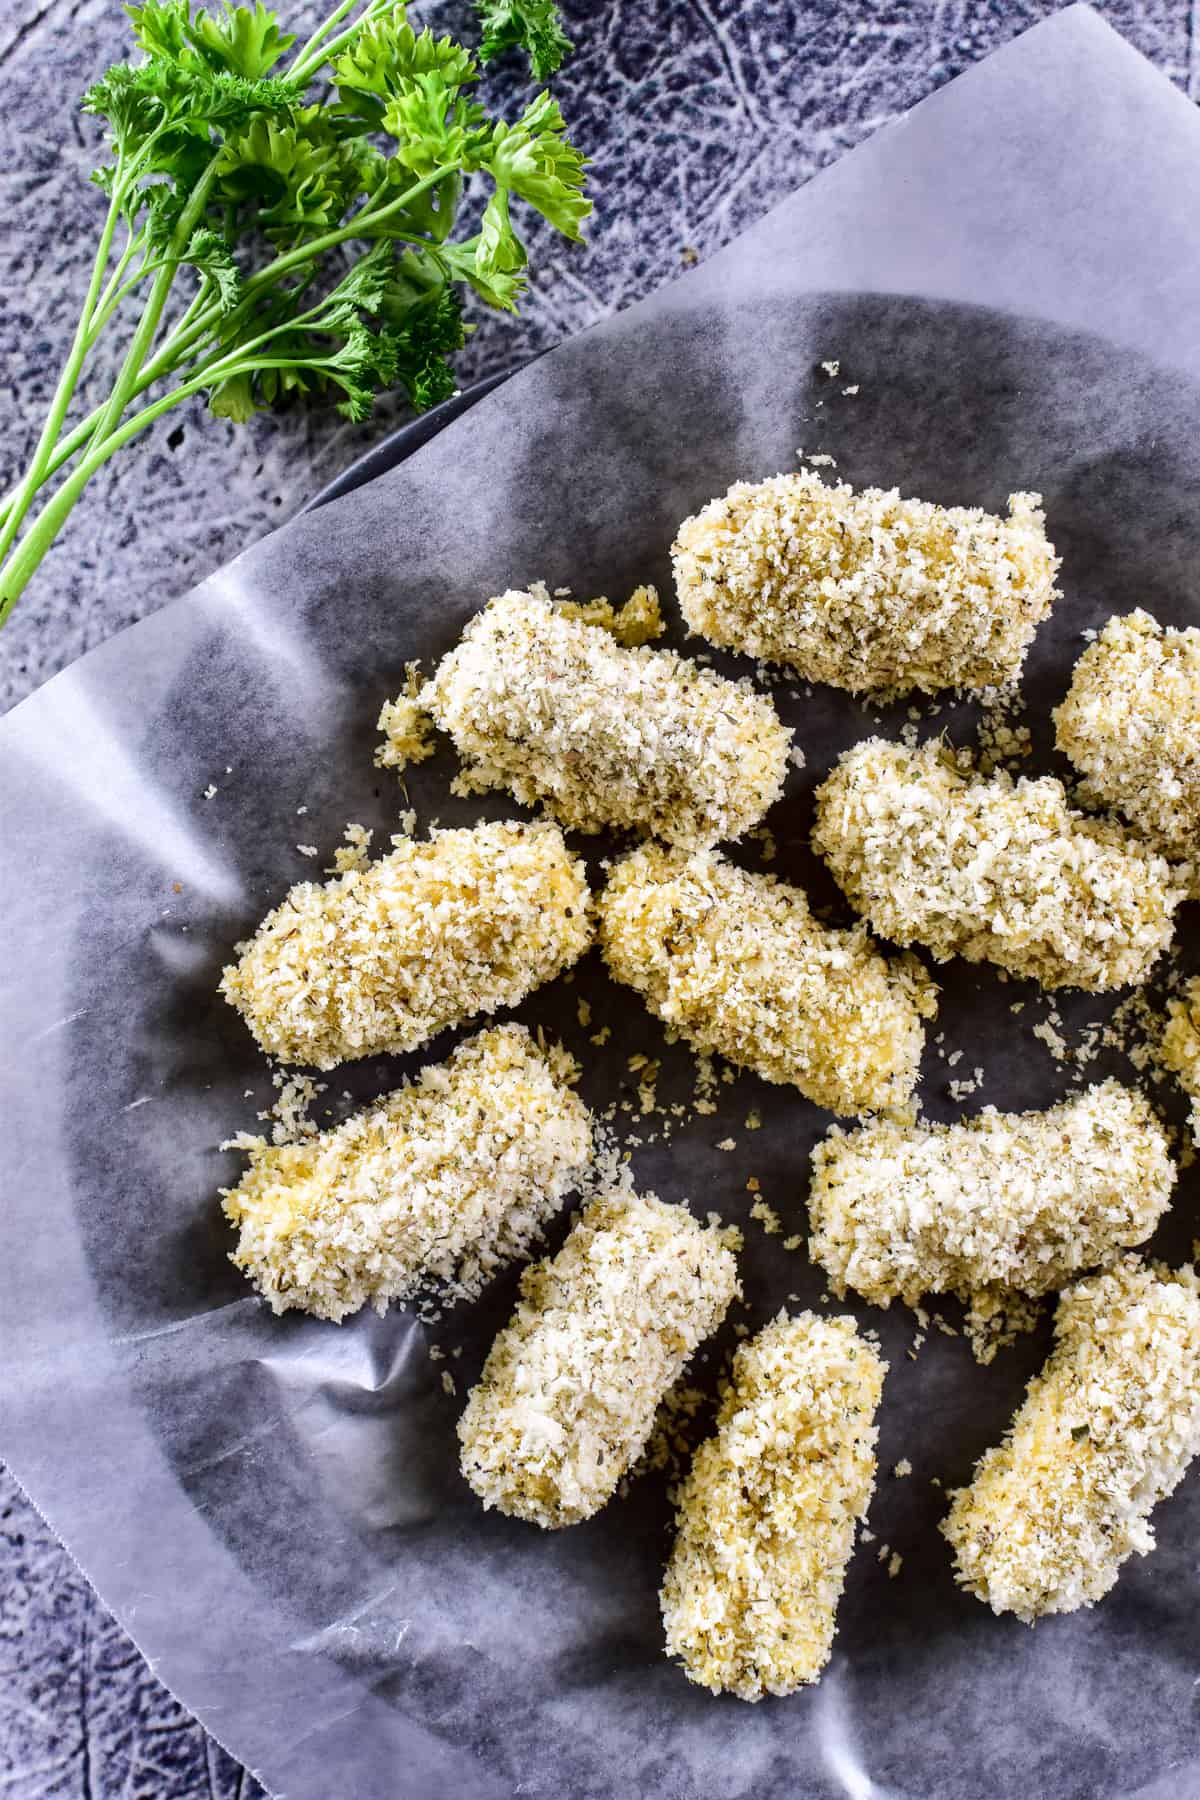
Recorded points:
(698,115)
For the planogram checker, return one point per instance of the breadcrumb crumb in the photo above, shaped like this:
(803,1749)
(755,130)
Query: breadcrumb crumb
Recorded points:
(384,957)
(1131,724)
(639,621)
(1107,1430)
(767,1515)
(440,1183)
(568,1394)
(991,869)
(554,711)
(867,591)
(737,964)
(1180,1047)
(1003,1200)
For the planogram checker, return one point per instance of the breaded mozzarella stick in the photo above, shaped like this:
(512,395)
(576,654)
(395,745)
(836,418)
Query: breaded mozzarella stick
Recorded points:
(1014,1200)
(932,853)
(867,591)
(767,1515)
(1106,1431)
(568,1394)
(1131,724)
(440,1183)
(556,712)
(737,964)
(1181,1047)
(384,957)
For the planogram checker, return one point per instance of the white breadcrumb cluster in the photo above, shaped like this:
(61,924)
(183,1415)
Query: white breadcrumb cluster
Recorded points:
(1179,1049)
(738,965)
(767,1515)
(1131,724)
(992,869)
(552,709)
(569,1392)
(1106,1430)
(1011,1200)
(867,591)
(386,956)
(440,1183)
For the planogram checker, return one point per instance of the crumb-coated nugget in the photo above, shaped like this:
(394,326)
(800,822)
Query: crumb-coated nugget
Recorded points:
(1013,1200)
(1131,724)
(384,957)
(440,1183)
(867,591)
(1181,1047)
(738,965)
(568,1394)
(767,1515)
(933,853)
(1106,1430)
(556,712)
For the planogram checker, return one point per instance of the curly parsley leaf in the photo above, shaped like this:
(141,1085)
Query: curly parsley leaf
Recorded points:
(534,26)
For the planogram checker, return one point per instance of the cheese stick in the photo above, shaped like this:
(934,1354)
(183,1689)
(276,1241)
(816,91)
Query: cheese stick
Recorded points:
(1015,1200)
(990,869)
(767,1515)
(556,712)
(867,591)
(440,1183)
(1131,724)
(1107,1430)
(568,1394)
(737,964)
(384,957)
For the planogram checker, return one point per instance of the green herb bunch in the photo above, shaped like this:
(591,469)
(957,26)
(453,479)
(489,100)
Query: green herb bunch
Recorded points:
(308,202)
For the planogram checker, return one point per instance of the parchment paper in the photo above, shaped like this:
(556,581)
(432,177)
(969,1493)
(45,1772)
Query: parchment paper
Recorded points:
(1011,278)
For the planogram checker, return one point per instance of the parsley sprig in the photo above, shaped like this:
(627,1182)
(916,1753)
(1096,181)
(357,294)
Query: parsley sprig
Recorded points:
(306,204)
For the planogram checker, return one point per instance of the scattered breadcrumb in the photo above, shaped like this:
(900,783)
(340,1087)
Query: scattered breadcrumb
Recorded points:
(1106,1431)
(639,621)
(1179,1047)
(583,1013)
(308,850)
(1002,1201)
(766,1517)
(290,1110)
(727,1144)
(382,958)
(903,1469)
(449,1384)
(440,1183)
(736,963)
(753,1120)
(991,869)
(553,710)
(867,591)
(210,791)
(568,1394)
(895,1564)
(1131,725)
(767,1217)
(406,726)
(354,852)
(832,368)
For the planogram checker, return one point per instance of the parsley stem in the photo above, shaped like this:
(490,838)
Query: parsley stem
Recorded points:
(125,385)
(67,381)
(306,62)
(364,225)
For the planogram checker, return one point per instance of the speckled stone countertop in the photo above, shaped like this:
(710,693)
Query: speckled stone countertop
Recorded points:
(697,114)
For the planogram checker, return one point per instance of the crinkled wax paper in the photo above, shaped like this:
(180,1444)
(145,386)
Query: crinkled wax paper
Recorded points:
(1010,279)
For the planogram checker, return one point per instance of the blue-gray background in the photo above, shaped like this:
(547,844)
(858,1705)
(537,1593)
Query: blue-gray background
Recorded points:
(697,114)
